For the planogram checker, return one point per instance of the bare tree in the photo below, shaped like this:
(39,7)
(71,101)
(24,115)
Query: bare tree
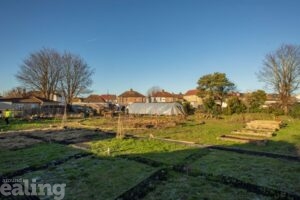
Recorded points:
(153,90)
(281,71)
(15,92)
(76,77)
(41,72)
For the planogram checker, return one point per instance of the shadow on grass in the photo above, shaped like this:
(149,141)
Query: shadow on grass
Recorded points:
(276,147)
(151,169)
(23,139)
(259,173)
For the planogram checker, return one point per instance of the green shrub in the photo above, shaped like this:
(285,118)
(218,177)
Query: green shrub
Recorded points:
(210,106)
(295,111)
(255,101)
(188,108)
(235,105)
(274,109)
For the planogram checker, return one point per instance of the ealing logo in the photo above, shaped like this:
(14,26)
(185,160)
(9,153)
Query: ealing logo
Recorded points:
(16,188)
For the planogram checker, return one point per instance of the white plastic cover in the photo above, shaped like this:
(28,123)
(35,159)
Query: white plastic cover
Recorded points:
(156,109)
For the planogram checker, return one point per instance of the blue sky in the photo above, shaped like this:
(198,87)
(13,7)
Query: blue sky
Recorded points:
(143,43)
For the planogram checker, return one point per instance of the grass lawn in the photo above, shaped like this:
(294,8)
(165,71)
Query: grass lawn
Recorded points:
(189,129)
(18,124)
(287,140)
(94,178)
(180,186)
(114,168)
(274,173)
(36,155)
(168,153)
(195,132)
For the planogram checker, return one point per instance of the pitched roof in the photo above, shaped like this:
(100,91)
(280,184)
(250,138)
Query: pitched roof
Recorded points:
(131,93)
(93,98)
(41,99)
(31,99)
(191,92)
(39,94)
(109,97)
(178,96)
(162,94)
(77,100)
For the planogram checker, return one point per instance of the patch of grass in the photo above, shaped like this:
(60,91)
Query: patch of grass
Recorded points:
(88,178)
(246,117)
(36,155)
(274,173)
(194,131)
(157,150)
(179,186)
(19,124)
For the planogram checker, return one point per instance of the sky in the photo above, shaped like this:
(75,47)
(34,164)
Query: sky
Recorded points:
(143,43)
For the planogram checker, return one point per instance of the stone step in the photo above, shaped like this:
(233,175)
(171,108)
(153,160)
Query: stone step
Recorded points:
(224,137)
(243,140)
(246,137)
(253,133)
(262,127)
(264,124)
(257,130)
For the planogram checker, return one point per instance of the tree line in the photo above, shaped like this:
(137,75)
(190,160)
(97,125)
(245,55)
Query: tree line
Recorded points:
(49,72)
(280,72)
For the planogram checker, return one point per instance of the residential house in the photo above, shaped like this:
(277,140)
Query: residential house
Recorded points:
(26,105)
(192,97)
(162,96)
(271,100)
(131,96)
(178,97)
(77,100)
(96,102)
(109,98)
(53,97)
(93,98)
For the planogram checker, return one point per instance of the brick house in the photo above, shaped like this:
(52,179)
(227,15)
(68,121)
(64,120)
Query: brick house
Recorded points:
(131,96)
(109,98)
(162,96)
(178,97)
(192,97)
(93,98)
